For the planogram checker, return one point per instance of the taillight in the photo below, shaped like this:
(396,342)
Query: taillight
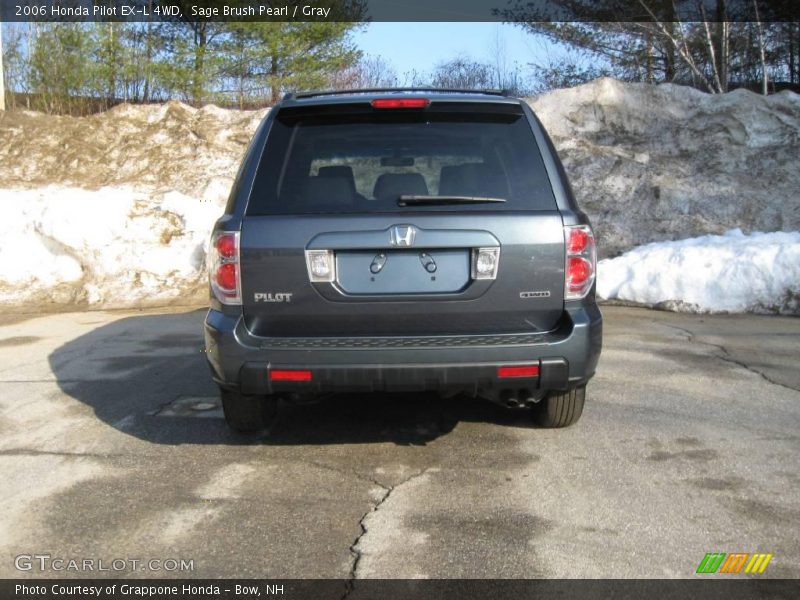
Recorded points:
(226,276)
(226,246)
(223,267)
(400,103)
(577,240)
(581,264)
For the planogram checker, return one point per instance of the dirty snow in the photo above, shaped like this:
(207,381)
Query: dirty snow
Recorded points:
(163,147)
(654,163)
(112,247)
(114,210)
(733,272)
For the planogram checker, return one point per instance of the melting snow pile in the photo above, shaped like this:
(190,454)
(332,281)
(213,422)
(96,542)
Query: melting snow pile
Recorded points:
(114,210)
(733,272)
(113,247)
(164,147)
(654,163)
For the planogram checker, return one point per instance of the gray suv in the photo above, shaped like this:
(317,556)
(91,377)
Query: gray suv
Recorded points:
(402,240)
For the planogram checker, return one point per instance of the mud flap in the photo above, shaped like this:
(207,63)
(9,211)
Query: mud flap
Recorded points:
(553,373)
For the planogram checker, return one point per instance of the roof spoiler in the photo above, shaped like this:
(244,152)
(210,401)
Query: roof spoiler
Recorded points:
(427,90)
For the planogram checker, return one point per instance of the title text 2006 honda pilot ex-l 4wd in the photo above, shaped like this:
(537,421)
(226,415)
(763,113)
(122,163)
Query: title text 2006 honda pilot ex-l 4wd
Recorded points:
(402,240)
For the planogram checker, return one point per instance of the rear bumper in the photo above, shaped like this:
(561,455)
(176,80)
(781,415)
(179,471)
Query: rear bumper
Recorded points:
(566,356)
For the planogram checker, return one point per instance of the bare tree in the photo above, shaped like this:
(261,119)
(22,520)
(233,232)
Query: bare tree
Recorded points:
(368,72)
(499,58)
(462,73)
(2,81)
(562,72)
(764,81)
(414,78)
(507,75)
(710,44)
(678,39)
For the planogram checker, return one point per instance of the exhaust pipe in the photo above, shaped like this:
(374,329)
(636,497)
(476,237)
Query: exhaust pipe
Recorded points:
(519,398)
(528,398)
(513,398)
(508,399)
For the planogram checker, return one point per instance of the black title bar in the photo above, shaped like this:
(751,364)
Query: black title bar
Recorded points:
(401,10)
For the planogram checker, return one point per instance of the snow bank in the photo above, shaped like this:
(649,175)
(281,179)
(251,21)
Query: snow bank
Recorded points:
(113,210)
(733,272)
(162,147)
(113,247)
(655,163)
(647,162)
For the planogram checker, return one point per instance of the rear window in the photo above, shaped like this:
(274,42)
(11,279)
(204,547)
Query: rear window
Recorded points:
(362,160)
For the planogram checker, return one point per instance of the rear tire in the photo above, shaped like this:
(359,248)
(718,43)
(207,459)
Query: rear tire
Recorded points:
(246,413)
(561,409)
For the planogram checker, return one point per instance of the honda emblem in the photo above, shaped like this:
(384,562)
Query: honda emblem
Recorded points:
(402,236)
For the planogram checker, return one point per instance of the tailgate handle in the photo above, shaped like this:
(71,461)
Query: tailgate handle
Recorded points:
(377,263)
(427,262)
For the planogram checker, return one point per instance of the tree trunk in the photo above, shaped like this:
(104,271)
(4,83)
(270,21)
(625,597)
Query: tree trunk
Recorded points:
(242,62)
(148,54)
(274,85)
(764,81)
(725,55)
(722,43)
(669,54)
(199,63)
(112,66)
(794,46)
(712,55)
(2,84)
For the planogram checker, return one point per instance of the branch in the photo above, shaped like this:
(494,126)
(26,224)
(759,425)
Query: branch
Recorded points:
(710,45)
(761,50)
(683,50)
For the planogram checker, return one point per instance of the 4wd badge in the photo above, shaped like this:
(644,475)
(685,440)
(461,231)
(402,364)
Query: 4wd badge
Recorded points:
(270,297)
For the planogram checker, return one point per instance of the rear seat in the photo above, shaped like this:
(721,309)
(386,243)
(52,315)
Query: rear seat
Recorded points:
(472,179)
(346,173)
(389,186)
(329,192)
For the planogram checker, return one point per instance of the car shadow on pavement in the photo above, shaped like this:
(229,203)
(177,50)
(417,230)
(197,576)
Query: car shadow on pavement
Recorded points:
(146,375)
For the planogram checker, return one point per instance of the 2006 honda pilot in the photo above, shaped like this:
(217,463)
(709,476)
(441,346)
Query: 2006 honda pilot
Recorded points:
(410,239)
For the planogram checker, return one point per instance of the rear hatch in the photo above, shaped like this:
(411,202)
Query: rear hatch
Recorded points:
(437,219)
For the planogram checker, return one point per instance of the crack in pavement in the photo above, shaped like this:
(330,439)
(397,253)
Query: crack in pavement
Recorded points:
(346,472)
(354,551)
(162,406)
(727,357)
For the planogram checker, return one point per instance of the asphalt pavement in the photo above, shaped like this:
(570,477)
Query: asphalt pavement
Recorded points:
(113,447)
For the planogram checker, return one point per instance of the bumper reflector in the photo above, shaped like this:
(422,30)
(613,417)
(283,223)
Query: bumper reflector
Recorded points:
(518,371)
(290,375)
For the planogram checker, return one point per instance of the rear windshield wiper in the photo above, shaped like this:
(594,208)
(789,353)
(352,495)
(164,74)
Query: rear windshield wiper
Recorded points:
(410,200)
